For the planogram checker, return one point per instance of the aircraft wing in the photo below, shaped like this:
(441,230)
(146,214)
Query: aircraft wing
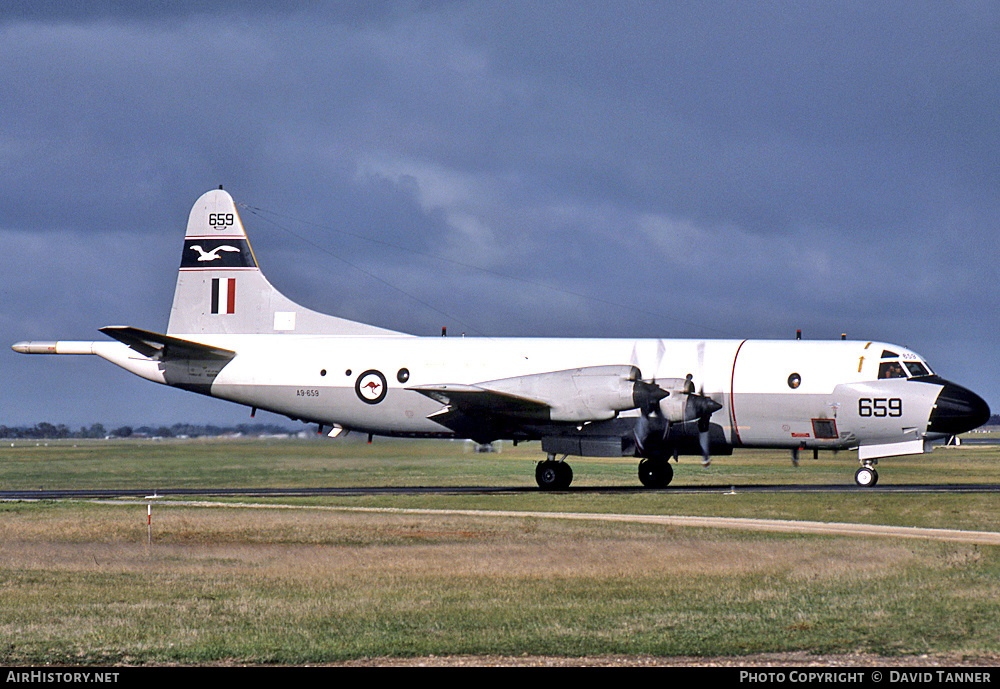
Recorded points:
(534,404)
(574,408)
(483,414)
(475,401)
(165,347)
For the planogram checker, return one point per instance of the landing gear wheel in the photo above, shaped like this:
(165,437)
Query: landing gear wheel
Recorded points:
(655,473)
(552,475)
(866,477)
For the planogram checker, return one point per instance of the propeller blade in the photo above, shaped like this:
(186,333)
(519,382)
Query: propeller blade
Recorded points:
(641,432)
(661,351)
(646,395)
(706,458)
(648,426)
(708,406)
(701,367)
(704,408)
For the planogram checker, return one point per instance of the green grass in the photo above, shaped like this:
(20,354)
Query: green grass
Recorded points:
(304,583)
(352,462)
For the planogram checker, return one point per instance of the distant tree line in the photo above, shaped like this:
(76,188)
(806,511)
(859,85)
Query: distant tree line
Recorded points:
(49,431)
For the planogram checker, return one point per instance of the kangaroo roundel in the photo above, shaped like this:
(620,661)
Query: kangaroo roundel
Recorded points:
(371,386)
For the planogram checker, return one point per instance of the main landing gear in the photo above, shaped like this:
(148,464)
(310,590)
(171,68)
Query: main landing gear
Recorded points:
(556,474)
(866,476)
(655,472)
(553,474)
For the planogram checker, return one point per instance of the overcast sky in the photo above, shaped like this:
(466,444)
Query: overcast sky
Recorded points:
(606,169)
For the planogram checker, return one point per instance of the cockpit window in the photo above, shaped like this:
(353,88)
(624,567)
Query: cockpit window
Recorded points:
(886,354)
(891,369)
(916,368)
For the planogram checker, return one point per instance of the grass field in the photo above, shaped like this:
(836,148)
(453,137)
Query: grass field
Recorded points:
(318,580)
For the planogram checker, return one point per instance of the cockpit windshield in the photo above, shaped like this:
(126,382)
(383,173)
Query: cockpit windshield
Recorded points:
(890,369)
(894,368)
(916,368)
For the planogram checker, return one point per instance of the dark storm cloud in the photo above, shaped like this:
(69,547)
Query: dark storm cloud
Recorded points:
(674,169)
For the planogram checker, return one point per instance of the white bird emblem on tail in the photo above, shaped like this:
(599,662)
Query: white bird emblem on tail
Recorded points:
(214,253)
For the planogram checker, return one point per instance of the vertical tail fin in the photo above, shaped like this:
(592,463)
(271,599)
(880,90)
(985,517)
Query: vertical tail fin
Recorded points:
(221,290)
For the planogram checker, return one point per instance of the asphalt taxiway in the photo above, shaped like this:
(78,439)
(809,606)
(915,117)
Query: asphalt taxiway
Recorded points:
(108,493)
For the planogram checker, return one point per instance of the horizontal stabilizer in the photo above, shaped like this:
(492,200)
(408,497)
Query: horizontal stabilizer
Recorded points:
(165,347)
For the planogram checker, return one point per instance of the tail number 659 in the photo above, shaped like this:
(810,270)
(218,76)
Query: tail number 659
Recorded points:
(880,406)
(221,219)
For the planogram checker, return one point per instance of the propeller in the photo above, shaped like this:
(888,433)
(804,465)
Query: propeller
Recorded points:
(651,423)
(684,405)
(647,395)
(701,407)
(707,406)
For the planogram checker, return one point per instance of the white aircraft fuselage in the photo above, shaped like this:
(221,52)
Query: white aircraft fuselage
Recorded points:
(233,336)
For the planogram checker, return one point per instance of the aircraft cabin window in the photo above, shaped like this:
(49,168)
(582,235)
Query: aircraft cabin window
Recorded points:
(794,380)
(916,368)
(891,369)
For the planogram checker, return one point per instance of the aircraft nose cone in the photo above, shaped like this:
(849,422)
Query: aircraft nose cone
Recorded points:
(957,410)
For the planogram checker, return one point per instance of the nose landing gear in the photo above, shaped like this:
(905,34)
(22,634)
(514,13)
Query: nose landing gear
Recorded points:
(866,476)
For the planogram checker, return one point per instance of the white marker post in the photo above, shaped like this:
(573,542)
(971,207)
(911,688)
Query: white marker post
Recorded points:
(149,518)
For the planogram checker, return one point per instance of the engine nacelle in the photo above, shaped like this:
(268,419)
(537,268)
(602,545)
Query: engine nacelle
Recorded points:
(683,404)
(676,407)
(590,393)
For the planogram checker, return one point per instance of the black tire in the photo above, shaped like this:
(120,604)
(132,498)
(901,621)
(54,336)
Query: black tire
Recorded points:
(655,473)
(553,475)
(866,477)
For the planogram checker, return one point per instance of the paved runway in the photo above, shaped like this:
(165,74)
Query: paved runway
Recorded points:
(89,493)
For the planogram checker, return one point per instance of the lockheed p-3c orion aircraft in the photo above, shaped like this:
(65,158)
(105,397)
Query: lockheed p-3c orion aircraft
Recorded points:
(233,336)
